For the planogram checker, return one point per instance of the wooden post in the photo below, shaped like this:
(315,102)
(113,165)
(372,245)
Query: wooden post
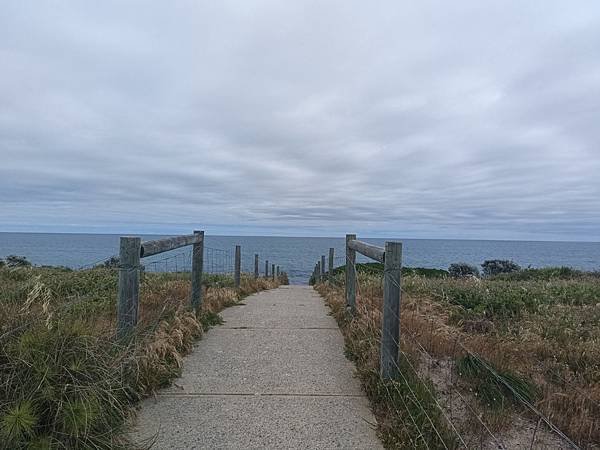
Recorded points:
(256,265)
(273,271)
(330,267)
(238,266)
(197,267)
(267,268)
(350,274)
(277,271)
(129,284)
(322,268)
(390,322)
(318,271)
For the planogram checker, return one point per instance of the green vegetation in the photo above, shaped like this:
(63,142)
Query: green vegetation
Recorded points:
(375,268)
(504,340)
(493,267)
(495,387)
(462,270)
(65,379)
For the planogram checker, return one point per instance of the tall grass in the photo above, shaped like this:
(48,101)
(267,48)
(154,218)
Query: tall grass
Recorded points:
(536,334)
(66,381)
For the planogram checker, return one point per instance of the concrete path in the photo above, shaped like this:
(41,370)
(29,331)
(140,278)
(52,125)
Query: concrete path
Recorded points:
(273,376)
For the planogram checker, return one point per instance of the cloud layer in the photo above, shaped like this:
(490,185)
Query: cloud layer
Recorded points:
(428,119)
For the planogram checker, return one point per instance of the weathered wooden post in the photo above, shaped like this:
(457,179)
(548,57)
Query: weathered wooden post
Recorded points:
(330,267)
(273,271)
(197,267)
(350,274)
(238,266)
(256,265)
(322,268)
(390,322)
(277,272)
(267,268)
(129,284)
(318,271)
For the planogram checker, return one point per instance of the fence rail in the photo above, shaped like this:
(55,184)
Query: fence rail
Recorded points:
(391,257)
(132,250)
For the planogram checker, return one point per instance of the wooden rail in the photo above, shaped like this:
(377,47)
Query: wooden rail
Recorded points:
(132,250)
(391,257)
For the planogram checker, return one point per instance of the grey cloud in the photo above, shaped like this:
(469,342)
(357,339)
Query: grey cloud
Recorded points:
(402,119)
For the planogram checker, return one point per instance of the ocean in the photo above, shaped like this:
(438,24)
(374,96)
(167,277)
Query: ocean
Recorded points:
(296,255)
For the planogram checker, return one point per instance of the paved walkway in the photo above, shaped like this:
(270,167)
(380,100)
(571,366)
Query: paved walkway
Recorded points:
(273,376)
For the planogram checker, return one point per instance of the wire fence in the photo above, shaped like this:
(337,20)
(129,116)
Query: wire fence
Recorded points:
(434,393)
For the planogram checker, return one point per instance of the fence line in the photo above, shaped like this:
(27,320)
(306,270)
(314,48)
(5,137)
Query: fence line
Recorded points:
(390,368)
(131,252)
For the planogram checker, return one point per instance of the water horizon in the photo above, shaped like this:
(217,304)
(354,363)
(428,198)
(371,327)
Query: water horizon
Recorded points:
(297,255)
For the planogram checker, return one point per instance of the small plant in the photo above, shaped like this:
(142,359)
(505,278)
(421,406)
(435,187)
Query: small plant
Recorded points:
(493,267)
(462,270)
(496,388)
(17,261)
(110,263)
(210,319)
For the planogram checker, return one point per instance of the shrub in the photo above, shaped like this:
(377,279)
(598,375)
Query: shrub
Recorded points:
(462,270)
(17,261)
(493,267)
(110,263)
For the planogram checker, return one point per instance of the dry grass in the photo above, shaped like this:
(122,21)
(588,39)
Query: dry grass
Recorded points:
(65,379)
(549,346)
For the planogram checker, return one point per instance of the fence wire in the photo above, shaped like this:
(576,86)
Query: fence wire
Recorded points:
(457,407)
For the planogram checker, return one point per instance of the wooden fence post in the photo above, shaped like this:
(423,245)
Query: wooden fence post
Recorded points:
(322,268)
(267,268)
(277,271)
(129,284)
(390,322)
(318,271)
(238,266)
(256,265)
(330,267)
(197,267)
(273,271)
(350,274)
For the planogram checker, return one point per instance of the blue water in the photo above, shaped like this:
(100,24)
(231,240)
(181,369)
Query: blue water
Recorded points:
(297,256)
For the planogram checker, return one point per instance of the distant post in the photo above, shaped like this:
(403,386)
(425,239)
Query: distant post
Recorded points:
(238,265)
(267,268)
(273,271)
(256,265)
(322,268)
(330,267)
(350,274)
(277,271)
(318,271)
(197,267)
(390,322)
(129,284)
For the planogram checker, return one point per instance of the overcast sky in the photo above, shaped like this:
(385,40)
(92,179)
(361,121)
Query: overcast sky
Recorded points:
(463,119)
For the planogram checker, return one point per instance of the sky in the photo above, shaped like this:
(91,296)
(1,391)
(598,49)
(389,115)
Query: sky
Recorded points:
(429,119)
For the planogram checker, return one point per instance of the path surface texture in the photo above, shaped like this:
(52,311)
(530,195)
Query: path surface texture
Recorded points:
(273,375)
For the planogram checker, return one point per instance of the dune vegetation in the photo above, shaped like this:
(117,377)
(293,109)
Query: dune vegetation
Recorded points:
(511,358)
(66,381)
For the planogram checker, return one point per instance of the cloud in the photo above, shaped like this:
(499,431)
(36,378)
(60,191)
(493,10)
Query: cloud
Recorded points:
(395,119)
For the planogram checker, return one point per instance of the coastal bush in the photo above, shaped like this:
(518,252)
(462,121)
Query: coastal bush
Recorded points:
(17,261)
(462,270)
(493,267)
